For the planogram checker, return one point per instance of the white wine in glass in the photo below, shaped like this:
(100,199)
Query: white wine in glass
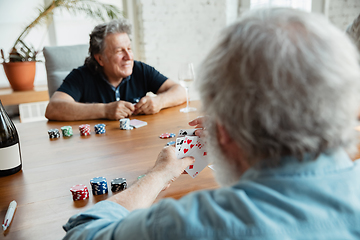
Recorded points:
(186,79)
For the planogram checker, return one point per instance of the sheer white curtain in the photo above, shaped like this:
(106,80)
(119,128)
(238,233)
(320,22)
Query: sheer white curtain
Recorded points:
(303,4)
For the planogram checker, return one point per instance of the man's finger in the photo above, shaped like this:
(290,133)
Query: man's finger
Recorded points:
(197,121)
(139,109)
(141,103)
(188,161)
(129,106)
(200,133)
(146,109)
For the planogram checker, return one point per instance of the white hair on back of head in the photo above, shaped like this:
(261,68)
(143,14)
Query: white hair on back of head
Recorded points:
(283,82)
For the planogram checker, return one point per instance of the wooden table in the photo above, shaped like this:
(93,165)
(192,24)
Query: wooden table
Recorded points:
(10,97)
(51,167)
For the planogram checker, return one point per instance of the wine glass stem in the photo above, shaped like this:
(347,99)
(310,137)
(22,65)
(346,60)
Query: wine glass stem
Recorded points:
(187,97)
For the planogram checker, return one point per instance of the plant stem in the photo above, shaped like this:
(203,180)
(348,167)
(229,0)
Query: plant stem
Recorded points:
(44,13)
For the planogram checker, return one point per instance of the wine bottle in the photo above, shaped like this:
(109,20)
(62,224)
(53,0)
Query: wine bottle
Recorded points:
(10,154)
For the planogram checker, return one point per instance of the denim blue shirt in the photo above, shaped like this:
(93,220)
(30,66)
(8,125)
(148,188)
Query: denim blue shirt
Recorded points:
(297,200)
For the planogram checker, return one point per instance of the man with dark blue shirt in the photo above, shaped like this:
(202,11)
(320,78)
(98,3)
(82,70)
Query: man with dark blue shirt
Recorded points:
(111,85)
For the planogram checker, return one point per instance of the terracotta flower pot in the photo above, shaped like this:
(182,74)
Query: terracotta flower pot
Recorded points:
(21,75)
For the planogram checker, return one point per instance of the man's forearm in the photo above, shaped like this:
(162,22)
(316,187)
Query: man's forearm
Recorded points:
(72,111)
(176,95)
(142,193)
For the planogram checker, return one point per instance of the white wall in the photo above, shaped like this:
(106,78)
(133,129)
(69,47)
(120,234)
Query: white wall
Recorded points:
(172,32)
(343,12)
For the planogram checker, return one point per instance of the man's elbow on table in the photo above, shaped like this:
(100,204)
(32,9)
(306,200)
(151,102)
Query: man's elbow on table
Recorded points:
(181,93)
(49,112)
(53,109)
(172,94)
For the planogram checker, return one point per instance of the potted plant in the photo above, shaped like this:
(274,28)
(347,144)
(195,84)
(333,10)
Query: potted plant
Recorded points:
(20,66)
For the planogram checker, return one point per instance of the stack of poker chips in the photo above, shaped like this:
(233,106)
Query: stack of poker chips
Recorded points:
(79,192)
(167,135)
(84,129)
(67,131)
(99,185)
(125,124)
(118,184)
(99,128)
(54,133)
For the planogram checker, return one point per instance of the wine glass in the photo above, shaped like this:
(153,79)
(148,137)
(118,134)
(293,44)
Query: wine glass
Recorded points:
(186,78)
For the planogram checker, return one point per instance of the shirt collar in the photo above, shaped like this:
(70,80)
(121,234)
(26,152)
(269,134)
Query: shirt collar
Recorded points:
(325,163)
(102,76)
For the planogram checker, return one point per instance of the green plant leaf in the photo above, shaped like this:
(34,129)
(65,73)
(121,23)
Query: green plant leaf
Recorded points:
(92,8)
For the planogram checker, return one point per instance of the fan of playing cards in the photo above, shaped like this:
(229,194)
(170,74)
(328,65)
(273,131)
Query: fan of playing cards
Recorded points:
(188,144)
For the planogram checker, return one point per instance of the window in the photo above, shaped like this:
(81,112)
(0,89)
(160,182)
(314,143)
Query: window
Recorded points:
(303,4)
(65,29)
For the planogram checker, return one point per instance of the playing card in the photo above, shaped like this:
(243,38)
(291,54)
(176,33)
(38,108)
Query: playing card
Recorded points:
(201,159)
(137,123)
(178,144)
(184,146)
(195,147)
(187,132)
(211,167)
(188,145)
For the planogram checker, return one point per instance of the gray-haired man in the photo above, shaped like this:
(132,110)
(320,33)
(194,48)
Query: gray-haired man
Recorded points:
(281,100)
(110,82)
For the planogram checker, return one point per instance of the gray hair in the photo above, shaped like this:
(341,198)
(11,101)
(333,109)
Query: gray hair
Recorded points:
(283,82)
(97,39)
(353,30)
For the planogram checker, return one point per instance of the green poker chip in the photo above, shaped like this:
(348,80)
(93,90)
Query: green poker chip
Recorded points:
(141,176)
(67,131)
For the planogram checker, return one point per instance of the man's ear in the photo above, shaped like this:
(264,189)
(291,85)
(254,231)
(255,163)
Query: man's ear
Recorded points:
(230,149)
(99,59)
(223,135)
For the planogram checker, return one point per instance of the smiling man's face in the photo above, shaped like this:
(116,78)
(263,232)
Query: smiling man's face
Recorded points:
(117,59)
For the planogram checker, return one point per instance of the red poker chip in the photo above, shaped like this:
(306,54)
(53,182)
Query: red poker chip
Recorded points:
(81,196)
(78,187)
(79,192)
(85,131)
(165,135)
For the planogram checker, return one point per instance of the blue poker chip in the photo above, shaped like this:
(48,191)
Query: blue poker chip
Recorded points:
(100,128)
(170,143)
(172,135)
(99,185)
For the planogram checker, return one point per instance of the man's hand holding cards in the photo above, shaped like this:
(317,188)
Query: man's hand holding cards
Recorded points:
(188,144)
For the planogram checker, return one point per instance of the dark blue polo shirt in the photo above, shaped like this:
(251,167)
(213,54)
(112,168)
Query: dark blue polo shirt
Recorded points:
(86,87)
